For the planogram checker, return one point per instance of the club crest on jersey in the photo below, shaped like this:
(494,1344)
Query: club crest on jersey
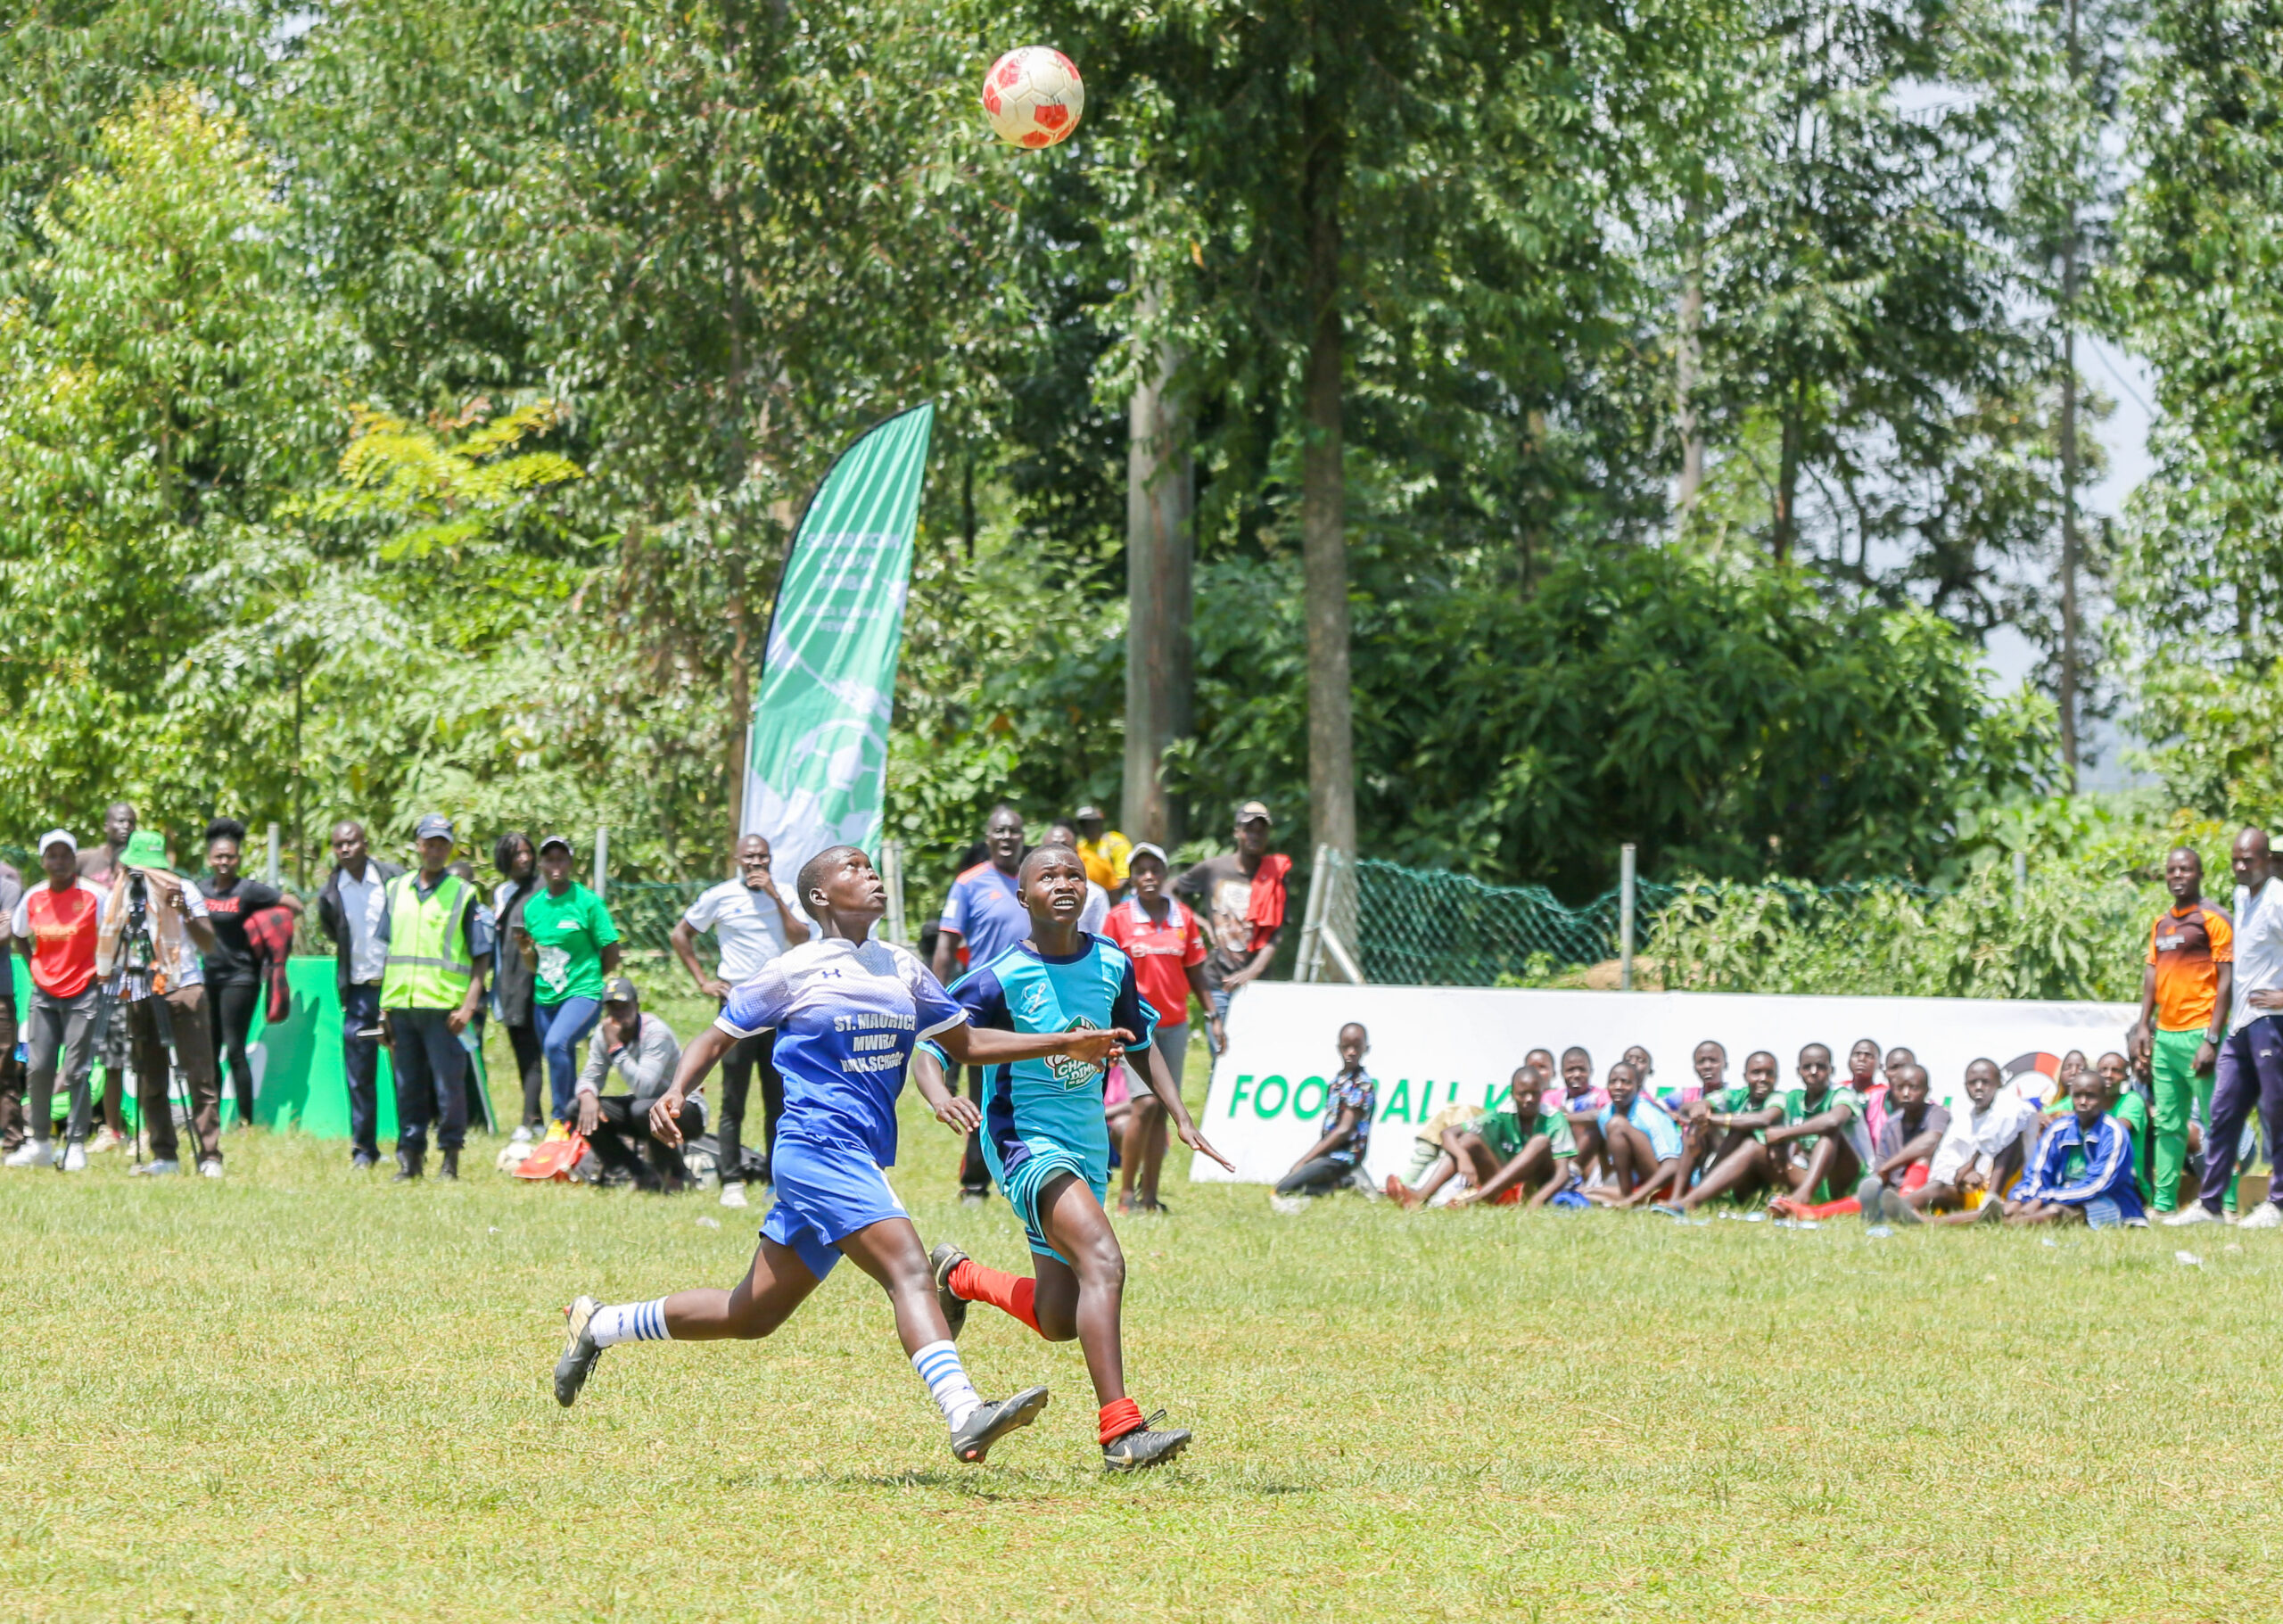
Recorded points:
(1034,999)
(1073,1073)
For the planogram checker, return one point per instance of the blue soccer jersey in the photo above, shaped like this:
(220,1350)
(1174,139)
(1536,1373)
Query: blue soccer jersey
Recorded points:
(1056,1100)
(846,1018)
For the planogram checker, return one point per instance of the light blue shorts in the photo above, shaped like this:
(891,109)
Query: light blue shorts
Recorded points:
(1032,1174)
(826,1191)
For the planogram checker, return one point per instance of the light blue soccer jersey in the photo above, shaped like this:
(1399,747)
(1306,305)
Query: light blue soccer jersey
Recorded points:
(1035,1107)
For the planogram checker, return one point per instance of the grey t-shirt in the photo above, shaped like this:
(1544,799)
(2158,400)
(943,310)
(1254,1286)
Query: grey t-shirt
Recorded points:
(1894,1132)
(646,1065)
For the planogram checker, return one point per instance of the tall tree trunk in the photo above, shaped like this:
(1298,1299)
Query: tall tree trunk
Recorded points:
(1535,504)
(1689,365)
(1332,738)
(740,695)
(1787,476)
(2068,685)
(1160,509)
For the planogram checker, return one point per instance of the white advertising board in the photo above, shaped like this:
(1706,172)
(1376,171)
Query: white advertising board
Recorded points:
(1434,1046)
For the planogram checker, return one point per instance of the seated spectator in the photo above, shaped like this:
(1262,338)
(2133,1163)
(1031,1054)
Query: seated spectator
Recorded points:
(1823,1141)
(1869,1083)
(1908,1140)
(1639,1143)
(1581,1103)
(1518,1138)
(641,1050)
(2074,1065)
(2082,1171)
(1335,1160)
(1643,1070)
(1982,1152)
(1724,1122)
(2125,1104)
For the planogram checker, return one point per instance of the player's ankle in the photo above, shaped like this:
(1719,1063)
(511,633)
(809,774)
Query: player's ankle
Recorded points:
(1118,1417)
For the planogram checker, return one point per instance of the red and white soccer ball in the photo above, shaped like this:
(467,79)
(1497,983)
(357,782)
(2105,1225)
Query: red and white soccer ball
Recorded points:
(1033,96)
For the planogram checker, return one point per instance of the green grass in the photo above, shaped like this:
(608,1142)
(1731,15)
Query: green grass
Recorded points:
(302,1393)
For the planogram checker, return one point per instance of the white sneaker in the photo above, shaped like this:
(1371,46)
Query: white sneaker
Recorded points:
(104,1140)
(2267,1215)
(155,1169)
(522,1136)
(32,1153)
(1291,1206)
(211,1168)
(733,1194)
(75,1157)
(2194,1211)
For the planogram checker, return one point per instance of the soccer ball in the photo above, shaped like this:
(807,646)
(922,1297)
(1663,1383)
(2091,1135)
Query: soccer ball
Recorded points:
(1033,96)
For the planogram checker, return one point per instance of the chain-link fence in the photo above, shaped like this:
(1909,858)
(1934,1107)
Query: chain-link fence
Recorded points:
(1370,920)
(645,911)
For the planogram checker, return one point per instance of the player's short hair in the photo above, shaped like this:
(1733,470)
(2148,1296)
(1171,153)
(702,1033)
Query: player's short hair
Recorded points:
(1805,1049)
(1578,1052)
(225,828)
(1763,1054)
(819,868)
(1002,806)
(1031,857)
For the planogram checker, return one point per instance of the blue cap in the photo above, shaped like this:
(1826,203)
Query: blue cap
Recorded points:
(433,824)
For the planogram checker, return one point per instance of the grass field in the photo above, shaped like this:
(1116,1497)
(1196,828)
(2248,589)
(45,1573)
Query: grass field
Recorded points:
(300,1393)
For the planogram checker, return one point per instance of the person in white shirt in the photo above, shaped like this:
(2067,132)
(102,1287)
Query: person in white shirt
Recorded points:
(1982,1150)
(350,909)
(753,921)
(2250,1069)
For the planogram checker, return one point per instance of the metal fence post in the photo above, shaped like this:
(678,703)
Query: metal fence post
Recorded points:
(1311,960)
(602,857)
(272,874)
(1625,899)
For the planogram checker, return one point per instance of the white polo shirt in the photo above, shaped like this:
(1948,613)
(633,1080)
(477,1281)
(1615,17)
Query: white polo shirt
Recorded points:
(744,922)
(2259,950)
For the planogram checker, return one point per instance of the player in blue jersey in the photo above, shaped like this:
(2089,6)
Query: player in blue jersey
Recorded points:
(847,1011)
(1047,1146)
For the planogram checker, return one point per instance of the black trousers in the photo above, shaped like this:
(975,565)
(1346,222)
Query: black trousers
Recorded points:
(974,1173)
(530,1062)
(622,1133)
(749,1055)
(1321,1177)
(231,1006)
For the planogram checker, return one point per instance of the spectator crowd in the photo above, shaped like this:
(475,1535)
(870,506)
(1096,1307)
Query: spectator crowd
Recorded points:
(158,975)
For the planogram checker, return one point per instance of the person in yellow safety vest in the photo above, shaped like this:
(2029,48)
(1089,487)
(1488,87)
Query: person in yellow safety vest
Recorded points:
(1105,852)
(439,940)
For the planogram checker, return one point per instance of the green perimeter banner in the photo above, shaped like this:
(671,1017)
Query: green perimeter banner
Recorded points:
(817,754)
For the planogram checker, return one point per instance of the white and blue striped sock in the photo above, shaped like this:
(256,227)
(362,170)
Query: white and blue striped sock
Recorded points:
(938,1365)
(629,1322)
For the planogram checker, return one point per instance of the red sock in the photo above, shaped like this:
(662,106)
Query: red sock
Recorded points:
(1846,1207)
(1009,1293)
(1119,1416)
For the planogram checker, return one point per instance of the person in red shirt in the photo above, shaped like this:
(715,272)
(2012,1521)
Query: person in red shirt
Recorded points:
(1167,944)
(56,925)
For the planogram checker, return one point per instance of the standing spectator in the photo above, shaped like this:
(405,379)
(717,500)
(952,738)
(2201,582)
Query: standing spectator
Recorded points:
(2250,1064)
(1166,944)
(439,942)
(1241,896)
(753,921)
(234,988)
(642,1050)
(2185,994)
(55,925)
(99,866)
(1106,853)
(155,927)
(569,943)
(12,1070)
(982,916)
(513,983)
(350,908)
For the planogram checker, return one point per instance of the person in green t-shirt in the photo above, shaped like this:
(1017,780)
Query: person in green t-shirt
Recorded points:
(1737,1122)
(1502,1149)
(1702,1143)
(567,939)
(1824,1144)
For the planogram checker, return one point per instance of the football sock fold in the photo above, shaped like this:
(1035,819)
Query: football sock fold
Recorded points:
(629,1322)
(938,1365)
(1014,1294)
(1119,1416)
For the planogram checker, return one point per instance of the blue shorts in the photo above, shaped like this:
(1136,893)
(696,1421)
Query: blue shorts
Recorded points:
(1042,1160)
(826,1191)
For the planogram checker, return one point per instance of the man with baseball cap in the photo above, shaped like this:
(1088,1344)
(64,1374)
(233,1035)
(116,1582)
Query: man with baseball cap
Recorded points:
(155,927)
(1241,896)
(439,940)
(55,924)
(642,1050)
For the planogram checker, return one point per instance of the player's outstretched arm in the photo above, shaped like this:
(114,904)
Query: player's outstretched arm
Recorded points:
(951,1109)
(1166,1087)
(972,1045)
(697,1063)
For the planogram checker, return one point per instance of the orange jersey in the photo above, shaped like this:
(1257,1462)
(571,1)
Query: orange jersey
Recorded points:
(2187,947)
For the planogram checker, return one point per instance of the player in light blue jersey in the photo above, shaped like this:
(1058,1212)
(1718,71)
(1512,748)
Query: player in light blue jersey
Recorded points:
(847,1011)
(1044,1138)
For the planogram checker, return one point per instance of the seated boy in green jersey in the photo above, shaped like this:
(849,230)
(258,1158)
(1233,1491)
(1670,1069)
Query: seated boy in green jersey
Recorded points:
(1504,1148)
(1703,1142)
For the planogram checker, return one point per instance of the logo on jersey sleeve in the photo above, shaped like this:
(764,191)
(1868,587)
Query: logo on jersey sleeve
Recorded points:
(1075,1072)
